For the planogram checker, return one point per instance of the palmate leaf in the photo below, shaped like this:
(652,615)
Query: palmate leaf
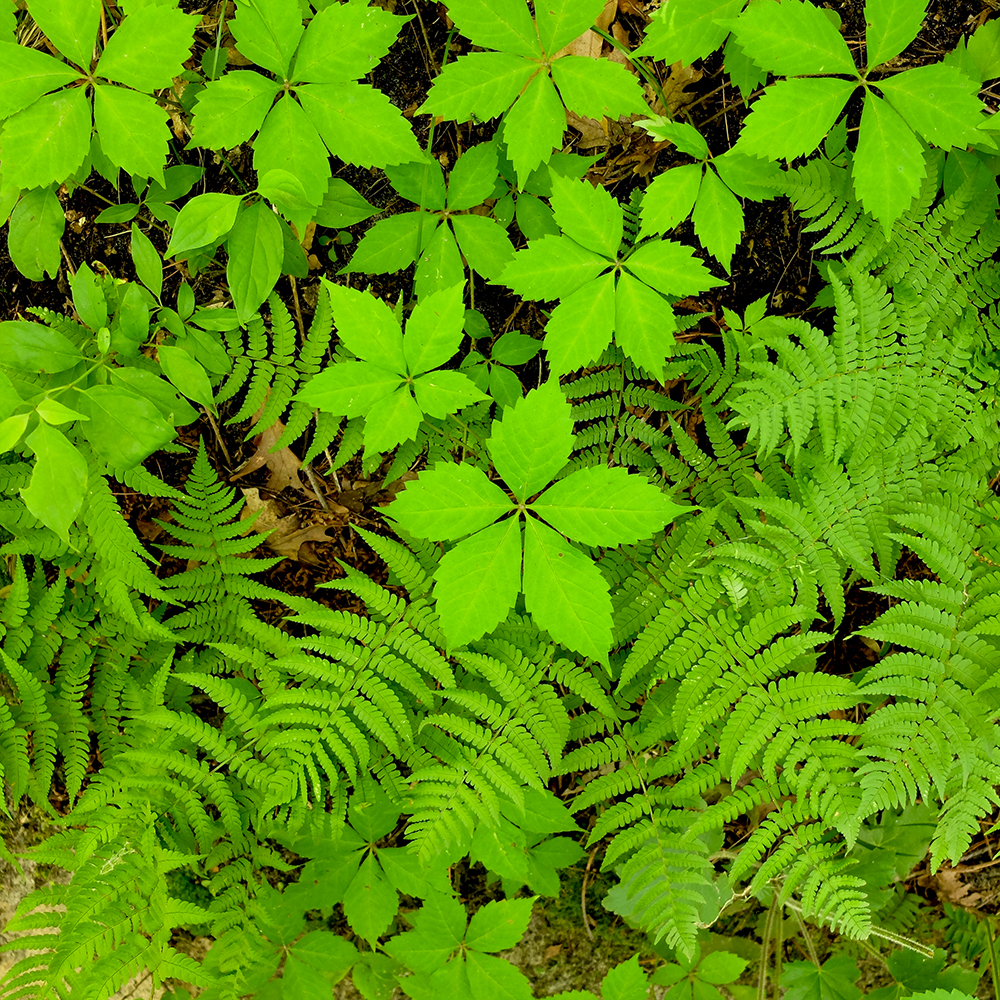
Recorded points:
(367,327)
(477,582)
(588,215)
(231,109)
(791,117)
(552,267)
(603,506)
(565,592)
(597,87)
(434,330)
(938,102)
(534,126)
(484,84)
(890,26)
(392,243)
(765,27)
(350,388)
(889,163)
(148,48)
(671,268)
(533,441)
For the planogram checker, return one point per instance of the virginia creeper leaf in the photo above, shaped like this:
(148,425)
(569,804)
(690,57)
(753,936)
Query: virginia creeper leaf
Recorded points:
(938,102)
(626,981)
(343,206)
(440,264)
(500,924)
(392,243)
(230,110)
(71,25)
(597,87)
(670,267)
(441,393)
(890,26)
(581,326)
(551,268)
(473,177)
(449,502)
(131,129)
(420,181)
(669,199)
(791,117)
(26,74)
(889,163)
(718,219)
(268,32)
(565,592)
(685,30)
(497,24)
(367,326)
(434,330)
(359,124)
(765,28)
(391,421)
(370,902)
(534,126)
(47,141)
(644,324)
(588,215)
(603,506)
(349,388)
(484,84)
(288,141)
(685,137)
(477,582)
(560,21)
(532,442)
(494,977)
(344,42)
(148,48)
(486,246)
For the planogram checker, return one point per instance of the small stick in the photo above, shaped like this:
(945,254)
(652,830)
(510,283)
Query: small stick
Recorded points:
(583,895)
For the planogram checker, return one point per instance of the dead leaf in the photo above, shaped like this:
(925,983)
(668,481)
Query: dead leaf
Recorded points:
(552,951)
(589,44)
(286,537)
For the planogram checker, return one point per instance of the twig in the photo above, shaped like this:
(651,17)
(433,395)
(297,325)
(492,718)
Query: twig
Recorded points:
(298,308)
(314,483)
(218,437)
(583,895)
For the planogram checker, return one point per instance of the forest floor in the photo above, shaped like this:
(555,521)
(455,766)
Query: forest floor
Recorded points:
(573,941)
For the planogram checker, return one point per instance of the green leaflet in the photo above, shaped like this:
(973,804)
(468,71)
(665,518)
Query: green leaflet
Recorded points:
(58,480)
(890,25)
(686,30)
(563,589)
(400,366)
(255,258)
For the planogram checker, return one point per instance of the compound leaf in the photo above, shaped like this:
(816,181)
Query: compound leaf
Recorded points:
(391,421)
(532,441)
(448,502)
(534,126)
(148,49)
(889,163)
(597,87)
(565,592)
(477,582)
(603,506)
(587,214)
(791,117)
(230,110)
(891,26)
(766,27)
(581,326)
(495,977)
(938,102)
(481,84)
(497,24)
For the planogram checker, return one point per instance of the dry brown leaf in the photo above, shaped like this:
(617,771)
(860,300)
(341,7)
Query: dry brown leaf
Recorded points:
(284,464)
(286,537)
(589,44)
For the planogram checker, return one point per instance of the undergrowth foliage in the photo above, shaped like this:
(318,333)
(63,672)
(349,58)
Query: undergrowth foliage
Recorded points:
(596,589)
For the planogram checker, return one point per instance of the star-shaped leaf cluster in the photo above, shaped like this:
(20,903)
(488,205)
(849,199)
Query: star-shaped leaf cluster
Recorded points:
(605,285)
(527,80)
(395,383)
(516,543)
